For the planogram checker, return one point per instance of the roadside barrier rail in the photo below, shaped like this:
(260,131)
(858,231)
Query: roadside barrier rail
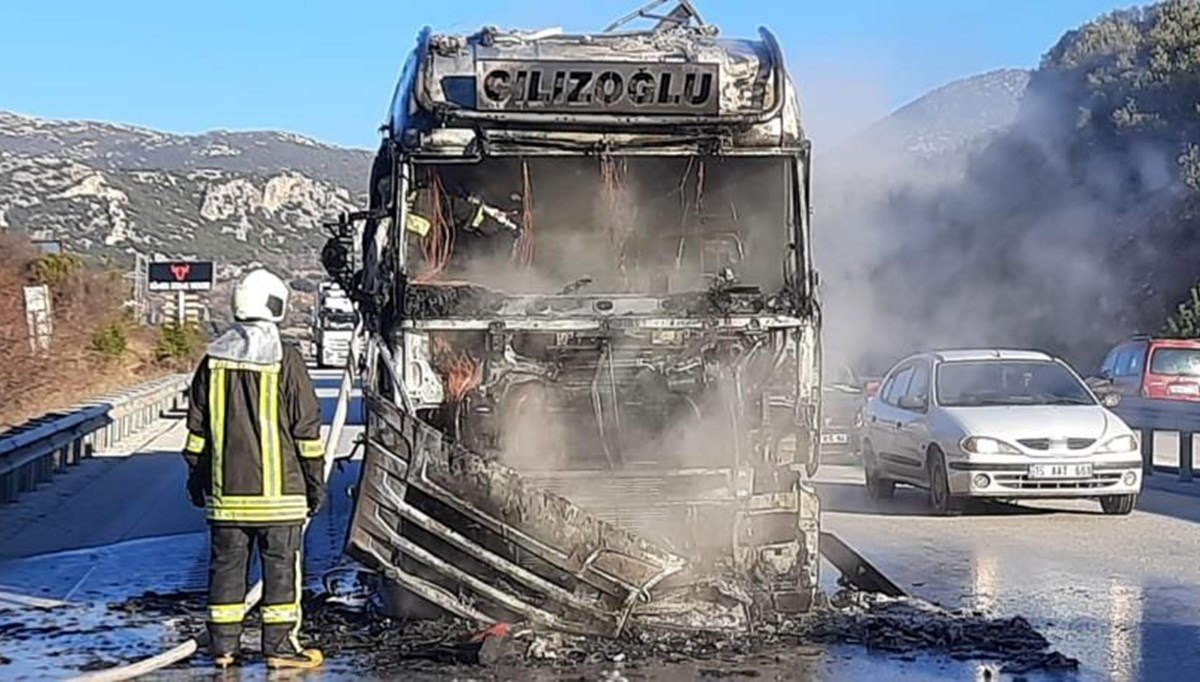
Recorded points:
(32,452)
(1159,423)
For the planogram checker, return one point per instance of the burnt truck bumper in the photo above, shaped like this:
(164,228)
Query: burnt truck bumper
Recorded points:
(472,537)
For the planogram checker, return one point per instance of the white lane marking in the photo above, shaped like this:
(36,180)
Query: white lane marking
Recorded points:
(35,602)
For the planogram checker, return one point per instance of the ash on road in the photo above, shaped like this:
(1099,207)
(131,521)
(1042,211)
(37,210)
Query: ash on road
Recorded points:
(1120,594)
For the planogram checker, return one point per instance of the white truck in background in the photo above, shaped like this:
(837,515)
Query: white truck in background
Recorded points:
(332,325)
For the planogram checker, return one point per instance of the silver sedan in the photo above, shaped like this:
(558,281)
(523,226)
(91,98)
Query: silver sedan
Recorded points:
(998,424)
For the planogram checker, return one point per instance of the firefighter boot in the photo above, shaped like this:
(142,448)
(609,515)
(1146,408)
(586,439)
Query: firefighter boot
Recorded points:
(306,659)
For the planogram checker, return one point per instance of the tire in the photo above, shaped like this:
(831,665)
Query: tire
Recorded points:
(940,499)
(1118,505)
(878,488)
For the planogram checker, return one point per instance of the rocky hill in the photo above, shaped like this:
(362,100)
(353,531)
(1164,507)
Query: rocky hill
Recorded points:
(961,115)
(937,133)
(1072,227)
(110,190)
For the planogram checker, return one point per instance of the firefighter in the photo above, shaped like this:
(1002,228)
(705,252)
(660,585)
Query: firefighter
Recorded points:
(256,464)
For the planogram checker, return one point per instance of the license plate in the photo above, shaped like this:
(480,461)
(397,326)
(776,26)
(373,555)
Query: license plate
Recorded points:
(1183,389)
(1060,471)
(834,439)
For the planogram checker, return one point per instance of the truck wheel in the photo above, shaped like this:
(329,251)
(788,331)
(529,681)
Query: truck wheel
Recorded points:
(940,499)
(878,488)
(1118,505)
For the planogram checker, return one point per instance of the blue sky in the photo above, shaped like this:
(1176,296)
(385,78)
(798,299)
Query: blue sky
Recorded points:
(326,68)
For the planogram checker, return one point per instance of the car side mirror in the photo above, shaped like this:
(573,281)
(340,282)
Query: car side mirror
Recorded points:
(909,402)
(1110,399)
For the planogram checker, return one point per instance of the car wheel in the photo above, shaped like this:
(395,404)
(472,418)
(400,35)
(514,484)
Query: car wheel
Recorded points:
(1118,505)
(878,488)
(940,498)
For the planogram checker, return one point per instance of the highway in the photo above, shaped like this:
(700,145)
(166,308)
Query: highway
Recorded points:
(1120,594)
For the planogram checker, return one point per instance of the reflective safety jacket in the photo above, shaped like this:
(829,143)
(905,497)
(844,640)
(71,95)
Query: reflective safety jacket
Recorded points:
(254,436)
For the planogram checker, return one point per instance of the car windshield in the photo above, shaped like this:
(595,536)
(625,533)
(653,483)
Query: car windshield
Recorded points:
(1008,382)
(1178,362)
(338,319)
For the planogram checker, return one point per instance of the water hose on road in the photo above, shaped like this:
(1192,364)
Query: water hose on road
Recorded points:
(186,649)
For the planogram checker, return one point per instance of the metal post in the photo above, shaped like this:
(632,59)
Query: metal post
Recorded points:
(1185,456)
(1147,451)
(180,307)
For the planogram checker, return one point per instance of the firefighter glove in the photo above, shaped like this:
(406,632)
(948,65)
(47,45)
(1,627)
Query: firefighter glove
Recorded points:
(196,488)
(316,498)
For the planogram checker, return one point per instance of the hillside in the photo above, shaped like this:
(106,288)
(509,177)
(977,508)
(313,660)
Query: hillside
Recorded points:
(1073,227)
(952,121)
(110,190)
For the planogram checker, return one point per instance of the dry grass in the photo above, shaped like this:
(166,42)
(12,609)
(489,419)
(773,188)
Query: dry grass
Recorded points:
(32,382)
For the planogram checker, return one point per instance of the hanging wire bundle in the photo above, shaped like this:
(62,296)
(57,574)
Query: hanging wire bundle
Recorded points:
(523,253)
(439,244)
(617,206)
(689,205)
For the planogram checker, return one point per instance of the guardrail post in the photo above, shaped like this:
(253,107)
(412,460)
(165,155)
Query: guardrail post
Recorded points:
(1147,436)
(1185,456)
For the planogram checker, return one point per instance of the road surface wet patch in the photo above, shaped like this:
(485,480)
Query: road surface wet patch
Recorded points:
(845,634)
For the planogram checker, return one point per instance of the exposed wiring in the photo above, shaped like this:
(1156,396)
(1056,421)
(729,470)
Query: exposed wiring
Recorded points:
(525,242)
(439,243)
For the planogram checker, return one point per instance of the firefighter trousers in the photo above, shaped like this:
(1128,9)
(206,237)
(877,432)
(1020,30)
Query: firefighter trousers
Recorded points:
(230,549)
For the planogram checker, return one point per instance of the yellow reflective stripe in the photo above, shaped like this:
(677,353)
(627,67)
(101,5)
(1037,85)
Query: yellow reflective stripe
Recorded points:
(299,590)
(264,434)
(478,219)
(272,368)
(417,224)
(281,613)
(268,421)
(310,448)
(195,444)
(256,515)
(216,427)
(226,613)
(259,502)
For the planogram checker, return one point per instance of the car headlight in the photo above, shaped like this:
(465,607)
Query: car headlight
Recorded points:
(1126,443)
(980,445)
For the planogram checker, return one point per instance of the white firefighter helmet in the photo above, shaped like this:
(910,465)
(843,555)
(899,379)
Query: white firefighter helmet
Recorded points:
(260,296)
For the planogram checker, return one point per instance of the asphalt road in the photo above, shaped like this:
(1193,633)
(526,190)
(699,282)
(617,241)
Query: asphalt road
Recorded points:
(1122,594)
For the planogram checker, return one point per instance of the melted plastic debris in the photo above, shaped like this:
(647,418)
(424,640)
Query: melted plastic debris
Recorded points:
(448,299)
(909,625)
(903,627)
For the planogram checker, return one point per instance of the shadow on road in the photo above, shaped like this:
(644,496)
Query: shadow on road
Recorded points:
(851,498)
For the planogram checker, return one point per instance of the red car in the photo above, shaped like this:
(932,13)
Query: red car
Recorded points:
(1167,369)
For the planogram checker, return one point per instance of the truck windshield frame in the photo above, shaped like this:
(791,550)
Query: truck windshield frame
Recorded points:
(692,216)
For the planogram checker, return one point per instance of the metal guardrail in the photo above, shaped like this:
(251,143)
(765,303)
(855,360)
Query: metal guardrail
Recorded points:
(32,452)
(1158,422)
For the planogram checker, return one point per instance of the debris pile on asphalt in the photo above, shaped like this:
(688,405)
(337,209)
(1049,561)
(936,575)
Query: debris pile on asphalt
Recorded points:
(907,626)
(902,627)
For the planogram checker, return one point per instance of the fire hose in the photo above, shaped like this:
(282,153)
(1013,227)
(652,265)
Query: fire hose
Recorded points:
(191,646)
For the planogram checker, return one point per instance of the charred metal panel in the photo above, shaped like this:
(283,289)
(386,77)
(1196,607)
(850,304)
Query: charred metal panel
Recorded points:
(508,517)
(747,74)
(521,551)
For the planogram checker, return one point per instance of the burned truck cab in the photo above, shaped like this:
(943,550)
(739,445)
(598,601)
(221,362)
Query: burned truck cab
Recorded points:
(592,369)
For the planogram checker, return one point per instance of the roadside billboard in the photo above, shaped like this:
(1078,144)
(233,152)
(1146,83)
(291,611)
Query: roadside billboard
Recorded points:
(195,275)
